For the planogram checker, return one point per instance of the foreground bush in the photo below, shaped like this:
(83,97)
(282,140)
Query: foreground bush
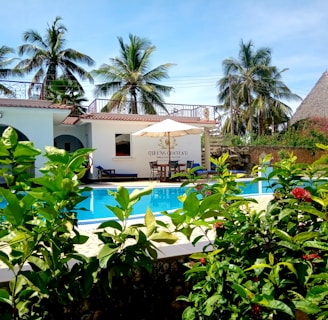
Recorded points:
(39,234)
(270,264)
(262,265)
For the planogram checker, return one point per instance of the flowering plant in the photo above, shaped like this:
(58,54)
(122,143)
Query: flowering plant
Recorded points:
(265,264)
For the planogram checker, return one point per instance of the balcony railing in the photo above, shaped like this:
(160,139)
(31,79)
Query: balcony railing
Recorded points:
(178,110)
(22,90)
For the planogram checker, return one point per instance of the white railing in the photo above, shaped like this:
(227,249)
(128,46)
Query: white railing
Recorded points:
(178,110)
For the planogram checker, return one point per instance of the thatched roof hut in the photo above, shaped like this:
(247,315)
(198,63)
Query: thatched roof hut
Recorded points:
(315,103)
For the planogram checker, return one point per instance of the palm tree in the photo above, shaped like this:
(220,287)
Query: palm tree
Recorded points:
(130,81)
(4,71)
(50,58)
(67,92)
(255,87)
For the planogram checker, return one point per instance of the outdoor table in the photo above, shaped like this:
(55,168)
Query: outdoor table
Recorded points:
(163,170)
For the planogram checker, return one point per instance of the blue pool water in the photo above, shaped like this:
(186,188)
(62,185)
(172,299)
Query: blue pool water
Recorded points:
(161,199)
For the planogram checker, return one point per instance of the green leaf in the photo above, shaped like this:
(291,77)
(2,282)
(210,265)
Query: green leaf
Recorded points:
(41,264)
(303,236)
(242,291)
(210,202)
(317,294)
(288,245)
(258,266)
(57,155)
(191,205)
(5,297)
(118,212)
(164,236)
(314,211)
(289,266)
(110,224)
(105,253)
(150,222)
(269,302)
(80,239)
(5,259)
(210,304)
(122,197)
(26,149)
(136,194)
(306,306)
(316,245)
(282,235)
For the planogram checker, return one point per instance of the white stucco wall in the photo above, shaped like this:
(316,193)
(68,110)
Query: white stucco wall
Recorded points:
(143,149)
(36,124)
(79,132)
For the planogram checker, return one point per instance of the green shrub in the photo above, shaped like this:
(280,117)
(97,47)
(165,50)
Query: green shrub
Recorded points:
(39,233)
(261,265)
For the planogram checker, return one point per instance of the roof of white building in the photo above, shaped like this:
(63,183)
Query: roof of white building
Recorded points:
(25,103)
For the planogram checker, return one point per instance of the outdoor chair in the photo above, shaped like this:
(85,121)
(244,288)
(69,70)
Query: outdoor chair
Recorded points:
(174,167)
(189,164)
(154,170)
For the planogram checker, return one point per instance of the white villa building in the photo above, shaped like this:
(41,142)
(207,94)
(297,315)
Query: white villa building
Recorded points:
(110,134)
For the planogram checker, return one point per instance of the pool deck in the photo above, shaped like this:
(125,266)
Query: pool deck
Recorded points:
(180,248)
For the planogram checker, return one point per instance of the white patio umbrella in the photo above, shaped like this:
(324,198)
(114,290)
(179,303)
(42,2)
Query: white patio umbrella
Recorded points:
(168,128)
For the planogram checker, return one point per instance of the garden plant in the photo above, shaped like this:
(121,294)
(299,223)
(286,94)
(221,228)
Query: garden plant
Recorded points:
(268,264)
(39,233)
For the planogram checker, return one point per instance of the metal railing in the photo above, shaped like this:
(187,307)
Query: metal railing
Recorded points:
(173,109)
(22,90)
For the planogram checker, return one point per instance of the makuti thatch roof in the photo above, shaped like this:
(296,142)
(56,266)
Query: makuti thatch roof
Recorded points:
(315,103)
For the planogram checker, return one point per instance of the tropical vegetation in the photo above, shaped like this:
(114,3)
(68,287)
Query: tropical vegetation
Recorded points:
(51,60)
(269,264)
(67,92)
(304,134)
(252,93)
(133,84)
(5,71)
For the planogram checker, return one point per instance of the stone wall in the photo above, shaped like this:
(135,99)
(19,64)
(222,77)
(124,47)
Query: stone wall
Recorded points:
(245,158)
(142,296)
(303,155)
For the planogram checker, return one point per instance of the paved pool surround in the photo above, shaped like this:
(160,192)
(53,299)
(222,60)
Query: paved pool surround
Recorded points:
(181,248)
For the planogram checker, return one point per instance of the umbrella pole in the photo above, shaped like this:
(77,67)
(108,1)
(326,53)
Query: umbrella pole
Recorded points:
(169,147)
(168,134)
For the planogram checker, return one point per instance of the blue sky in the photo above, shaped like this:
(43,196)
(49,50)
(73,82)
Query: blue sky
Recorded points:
(195,35)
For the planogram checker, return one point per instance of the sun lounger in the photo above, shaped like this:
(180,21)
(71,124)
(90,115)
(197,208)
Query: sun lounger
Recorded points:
(112,174)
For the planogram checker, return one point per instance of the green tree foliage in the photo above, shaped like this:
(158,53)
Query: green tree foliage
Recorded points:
(67,92)
(50,59)
(5,71)
(252,92)
(130,79)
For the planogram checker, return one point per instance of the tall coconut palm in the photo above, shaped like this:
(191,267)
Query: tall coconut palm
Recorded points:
(4,70)
(130,81)
(50,58)
(255,86)
(67,92)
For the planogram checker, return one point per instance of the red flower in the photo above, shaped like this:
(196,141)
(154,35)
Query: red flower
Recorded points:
(311,256)
(218,224)
(199,187)
(202,261)
(208,192)
(302,194)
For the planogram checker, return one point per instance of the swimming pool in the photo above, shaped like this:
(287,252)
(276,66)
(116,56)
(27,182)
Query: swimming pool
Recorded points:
(161,199)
